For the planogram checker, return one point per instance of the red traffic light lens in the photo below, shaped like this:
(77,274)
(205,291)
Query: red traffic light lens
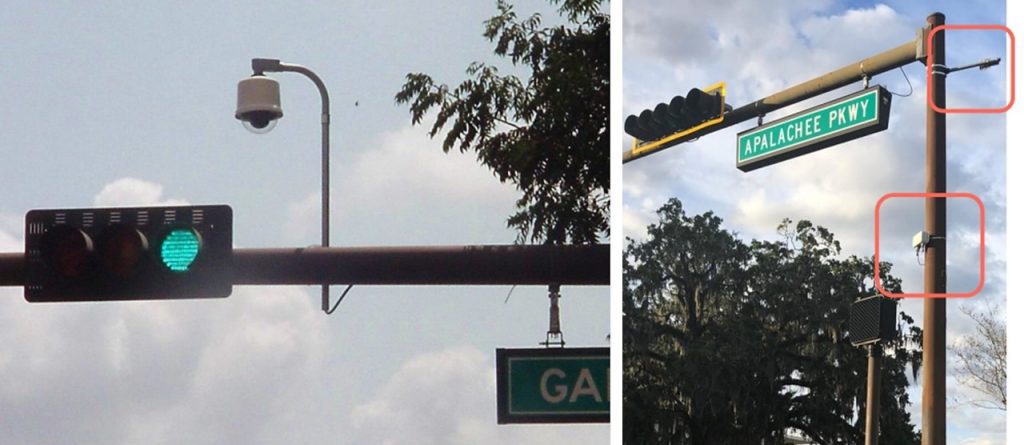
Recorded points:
(121,249)
(66,250)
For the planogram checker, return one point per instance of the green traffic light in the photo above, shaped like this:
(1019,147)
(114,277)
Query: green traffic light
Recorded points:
(180,249)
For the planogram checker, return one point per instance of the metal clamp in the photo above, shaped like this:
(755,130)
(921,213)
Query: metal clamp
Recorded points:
(554,336)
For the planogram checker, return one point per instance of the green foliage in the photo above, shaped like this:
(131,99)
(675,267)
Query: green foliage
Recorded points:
(547,134)
(730,342)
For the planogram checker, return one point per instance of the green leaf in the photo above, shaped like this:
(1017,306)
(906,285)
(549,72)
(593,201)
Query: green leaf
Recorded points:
(548,132)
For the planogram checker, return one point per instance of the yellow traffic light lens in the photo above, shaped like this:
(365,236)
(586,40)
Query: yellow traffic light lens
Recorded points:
(179,249)
(122,249)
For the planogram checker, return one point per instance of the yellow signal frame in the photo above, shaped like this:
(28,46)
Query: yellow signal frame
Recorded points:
(640,148)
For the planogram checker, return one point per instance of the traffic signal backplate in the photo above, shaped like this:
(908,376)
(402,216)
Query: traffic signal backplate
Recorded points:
(139,253)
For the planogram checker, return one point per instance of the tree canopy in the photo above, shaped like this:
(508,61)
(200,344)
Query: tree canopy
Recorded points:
(726,341)
(547,133)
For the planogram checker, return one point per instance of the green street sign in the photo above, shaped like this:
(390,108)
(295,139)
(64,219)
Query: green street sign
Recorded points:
(553,385)
(825,125)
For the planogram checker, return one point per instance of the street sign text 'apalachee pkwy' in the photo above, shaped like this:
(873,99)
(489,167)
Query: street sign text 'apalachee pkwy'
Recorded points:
(840,120)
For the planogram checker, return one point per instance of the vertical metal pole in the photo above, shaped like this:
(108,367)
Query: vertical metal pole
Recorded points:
(874,391)
(260,65)
(325,193)
(933,404)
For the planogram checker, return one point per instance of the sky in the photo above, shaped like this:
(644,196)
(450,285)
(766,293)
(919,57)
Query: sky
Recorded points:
(764,49)
(121,104)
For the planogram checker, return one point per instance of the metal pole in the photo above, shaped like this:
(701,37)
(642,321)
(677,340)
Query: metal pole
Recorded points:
(451,265)
(879,63)
(12,269)
(325,189)
(933,403)
(874,392)
(403,265)
(325,169)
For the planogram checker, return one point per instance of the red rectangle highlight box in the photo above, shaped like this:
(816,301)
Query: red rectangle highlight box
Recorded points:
(981,280)
(929,62)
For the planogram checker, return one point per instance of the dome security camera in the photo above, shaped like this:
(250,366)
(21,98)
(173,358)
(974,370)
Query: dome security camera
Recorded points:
(259,103)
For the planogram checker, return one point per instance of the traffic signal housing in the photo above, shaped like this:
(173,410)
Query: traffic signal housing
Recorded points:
(872,320)
(140,253)
(680,116)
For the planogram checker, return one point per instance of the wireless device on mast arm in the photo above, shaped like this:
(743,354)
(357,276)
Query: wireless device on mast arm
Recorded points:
(677,121)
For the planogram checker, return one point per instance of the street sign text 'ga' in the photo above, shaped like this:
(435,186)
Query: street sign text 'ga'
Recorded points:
(553,385)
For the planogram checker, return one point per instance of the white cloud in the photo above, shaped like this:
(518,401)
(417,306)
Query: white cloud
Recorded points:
(390,195)
(126,192)
(448,397)
(974,425)
(997,440)
(148,371)
(8,243)
(410,409)
(635,222)
(302,226)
